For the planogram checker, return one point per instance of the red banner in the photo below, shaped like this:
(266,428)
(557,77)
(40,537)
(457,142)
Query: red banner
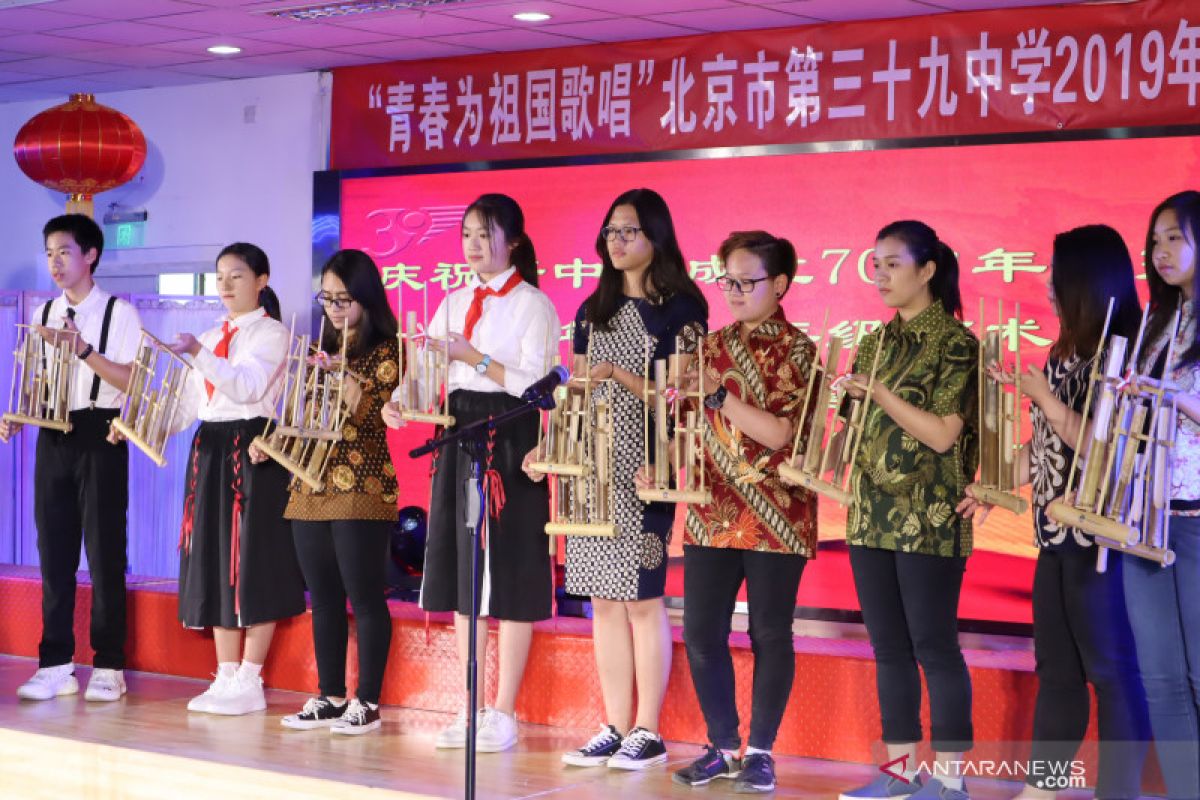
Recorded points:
(1045,69)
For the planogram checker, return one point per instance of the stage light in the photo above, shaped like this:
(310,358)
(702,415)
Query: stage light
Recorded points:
(531,16)
(224,50)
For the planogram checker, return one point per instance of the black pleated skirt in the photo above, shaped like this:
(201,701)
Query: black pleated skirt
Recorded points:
(516,577)
(237,561)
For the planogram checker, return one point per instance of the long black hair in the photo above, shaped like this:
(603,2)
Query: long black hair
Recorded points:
(667,274)
(1164,298)
(923,245)
(1089,267)
(360,276)
(501,212)
(253,257)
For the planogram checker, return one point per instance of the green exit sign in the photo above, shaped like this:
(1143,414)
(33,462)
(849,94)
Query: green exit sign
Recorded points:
(122,235)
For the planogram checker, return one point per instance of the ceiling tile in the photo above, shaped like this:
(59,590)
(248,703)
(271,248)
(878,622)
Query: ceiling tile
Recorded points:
(647,7)
(220,20)
(321,36)
(52,67)
(236,68)
(40,44)
(142,57)
(412,50)
(39,19)
(839,10)
(309,60)
(64,87)
(121,9)
(129,34)
(413,24)
(620,30)
(511,39)
(250,47)
(148,78)
(735,19)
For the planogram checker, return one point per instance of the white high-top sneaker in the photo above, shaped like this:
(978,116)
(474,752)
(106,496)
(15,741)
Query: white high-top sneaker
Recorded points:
(243,696)
(50,682)
(105,685)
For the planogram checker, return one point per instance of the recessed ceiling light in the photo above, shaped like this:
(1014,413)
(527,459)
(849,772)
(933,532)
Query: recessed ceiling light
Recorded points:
(531,16)
(224,50)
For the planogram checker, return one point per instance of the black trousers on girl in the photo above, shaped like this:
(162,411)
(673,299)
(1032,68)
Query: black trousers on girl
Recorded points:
(81,493)
(347,558)
(711,579)
(910,606)
(1081,635)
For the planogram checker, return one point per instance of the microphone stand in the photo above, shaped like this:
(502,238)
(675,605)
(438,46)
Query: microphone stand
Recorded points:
(473,439)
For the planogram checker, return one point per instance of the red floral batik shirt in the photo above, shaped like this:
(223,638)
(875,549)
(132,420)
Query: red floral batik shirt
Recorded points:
(752,508)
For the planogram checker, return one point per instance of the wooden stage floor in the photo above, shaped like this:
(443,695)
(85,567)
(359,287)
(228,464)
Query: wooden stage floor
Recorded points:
(149,746)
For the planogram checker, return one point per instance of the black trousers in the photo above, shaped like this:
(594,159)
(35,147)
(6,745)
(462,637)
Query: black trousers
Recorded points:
(1081,635)
(347,558)
(910,606)
(80,495)
(711,579)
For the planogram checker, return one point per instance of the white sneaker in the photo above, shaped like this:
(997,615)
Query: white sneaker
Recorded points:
(359,718)
(106,685)
(49,682)
(217,688)
(497,731)
(454,735)
(243,696)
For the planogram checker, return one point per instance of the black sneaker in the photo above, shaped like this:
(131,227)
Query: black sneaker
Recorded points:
(641,749)
(713,764)
(359,718)
(318,712)
(599,749)
(757,775)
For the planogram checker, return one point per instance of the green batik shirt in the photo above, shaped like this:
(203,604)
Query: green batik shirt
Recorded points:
(904,491)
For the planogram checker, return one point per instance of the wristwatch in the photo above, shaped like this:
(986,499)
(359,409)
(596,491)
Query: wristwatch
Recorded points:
(87,351)
(716,399)
(482,366)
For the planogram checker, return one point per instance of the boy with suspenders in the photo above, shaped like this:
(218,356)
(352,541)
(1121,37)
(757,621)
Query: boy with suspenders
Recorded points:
(81,482)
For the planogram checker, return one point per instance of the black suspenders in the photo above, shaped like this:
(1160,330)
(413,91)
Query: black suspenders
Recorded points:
(108,312)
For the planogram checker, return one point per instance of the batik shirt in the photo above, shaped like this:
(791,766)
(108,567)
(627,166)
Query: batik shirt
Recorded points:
(752,508)
(904,491)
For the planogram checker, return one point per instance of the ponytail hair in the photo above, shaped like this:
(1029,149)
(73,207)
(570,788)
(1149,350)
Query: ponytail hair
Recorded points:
(501,212)
(924,246)
(253,257)
(270,302)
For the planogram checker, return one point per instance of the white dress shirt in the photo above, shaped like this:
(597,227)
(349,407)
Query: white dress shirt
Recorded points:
(519,330)
(247,383)
(124,333)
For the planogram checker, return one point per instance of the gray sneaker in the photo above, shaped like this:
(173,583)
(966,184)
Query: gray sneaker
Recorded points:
(936,790)
(883,787)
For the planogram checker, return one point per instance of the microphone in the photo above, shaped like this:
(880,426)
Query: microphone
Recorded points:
(543,387)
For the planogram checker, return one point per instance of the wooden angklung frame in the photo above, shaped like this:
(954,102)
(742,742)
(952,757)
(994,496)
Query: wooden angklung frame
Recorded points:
(424,387)
(1123,495)
(835,431)
(41,380)
(575,452)
(999,421)
(310,415)
(675,441)
(157,381)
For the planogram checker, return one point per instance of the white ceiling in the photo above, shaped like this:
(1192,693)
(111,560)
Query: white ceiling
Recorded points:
(49,48)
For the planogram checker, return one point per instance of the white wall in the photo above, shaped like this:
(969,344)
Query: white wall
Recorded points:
(227,161)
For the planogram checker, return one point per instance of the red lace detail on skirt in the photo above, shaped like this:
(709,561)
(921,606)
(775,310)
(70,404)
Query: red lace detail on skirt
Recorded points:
(235,525)
(189,506)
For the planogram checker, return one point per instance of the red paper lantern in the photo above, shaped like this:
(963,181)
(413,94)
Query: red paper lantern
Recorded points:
(81,148)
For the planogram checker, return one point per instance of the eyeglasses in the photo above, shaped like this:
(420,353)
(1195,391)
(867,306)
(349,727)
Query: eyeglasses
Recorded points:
(625,233)
(736,286)
(327,300)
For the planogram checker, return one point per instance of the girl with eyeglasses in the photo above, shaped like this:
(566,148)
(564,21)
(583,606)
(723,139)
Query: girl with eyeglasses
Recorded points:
(237,565)
(342,533)
(502,334)
(757,531)
(644,294)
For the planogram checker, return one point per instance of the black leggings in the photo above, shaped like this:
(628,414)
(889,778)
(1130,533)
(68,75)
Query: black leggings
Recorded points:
(910,606)
(711,579)
(1081,635)
(340,559)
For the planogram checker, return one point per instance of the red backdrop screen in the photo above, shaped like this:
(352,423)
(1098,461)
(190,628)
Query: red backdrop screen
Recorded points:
(998,206)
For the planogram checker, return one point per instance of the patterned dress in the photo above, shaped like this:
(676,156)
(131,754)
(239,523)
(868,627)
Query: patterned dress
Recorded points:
(1050,457)
(633,564)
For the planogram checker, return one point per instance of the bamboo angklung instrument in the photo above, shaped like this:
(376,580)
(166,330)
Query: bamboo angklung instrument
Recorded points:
(999,421)
(310,415)
(40,393)
(424,388)
(836,430)
(1123,497)
(575,452)
(157,382)
(675,442)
